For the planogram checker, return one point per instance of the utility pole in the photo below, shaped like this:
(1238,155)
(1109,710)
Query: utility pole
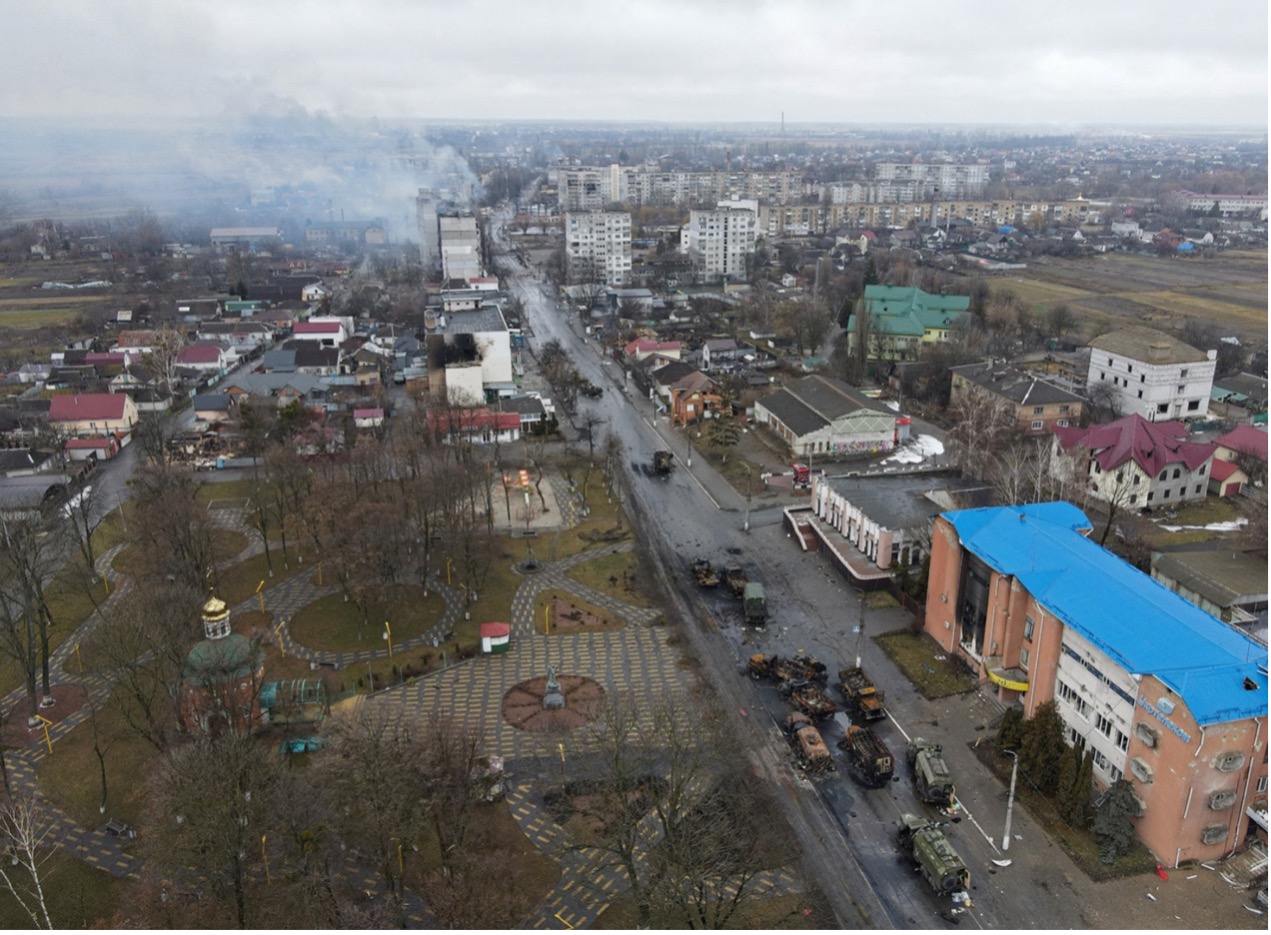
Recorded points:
(1010,800)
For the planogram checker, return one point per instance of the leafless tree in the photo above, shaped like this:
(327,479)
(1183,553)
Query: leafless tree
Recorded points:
(27,832)
(31,551)
(171,529)
(214,799)
(981,424)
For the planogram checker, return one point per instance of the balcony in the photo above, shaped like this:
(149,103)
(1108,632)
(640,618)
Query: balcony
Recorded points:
(1012,679)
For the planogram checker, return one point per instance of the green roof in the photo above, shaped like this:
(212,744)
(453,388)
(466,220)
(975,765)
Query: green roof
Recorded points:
(901,310)
(230,657)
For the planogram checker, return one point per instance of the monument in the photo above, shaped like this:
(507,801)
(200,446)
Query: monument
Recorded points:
(553,700)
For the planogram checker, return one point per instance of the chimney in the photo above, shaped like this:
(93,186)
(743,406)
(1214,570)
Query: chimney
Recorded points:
(1158,350)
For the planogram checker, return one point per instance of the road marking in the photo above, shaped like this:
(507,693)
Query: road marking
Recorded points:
(968,814)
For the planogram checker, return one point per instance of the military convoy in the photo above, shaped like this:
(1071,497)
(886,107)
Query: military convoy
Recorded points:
(868,759)
(935,856)
(809,746)
(931,773)
(863,699)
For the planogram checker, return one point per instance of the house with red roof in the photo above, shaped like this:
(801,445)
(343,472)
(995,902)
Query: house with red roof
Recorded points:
(641,348)
(1136,463)
(326,332)
(1226,479)
(206,358)
(1244,441)
(368,418)
(478,426)
(88,414)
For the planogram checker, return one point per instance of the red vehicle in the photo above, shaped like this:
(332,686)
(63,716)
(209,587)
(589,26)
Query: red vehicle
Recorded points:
(802,476)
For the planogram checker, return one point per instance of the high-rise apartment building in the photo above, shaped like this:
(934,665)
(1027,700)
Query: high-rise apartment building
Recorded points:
(460,245)
(720,241)
(598,247)
(429,233)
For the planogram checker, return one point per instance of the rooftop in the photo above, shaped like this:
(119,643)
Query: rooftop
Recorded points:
(1150,346)
(1151,445)
(1141,625)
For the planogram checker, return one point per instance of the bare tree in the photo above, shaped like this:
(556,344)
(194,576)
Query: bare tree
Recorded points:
(26,832)
(981,424)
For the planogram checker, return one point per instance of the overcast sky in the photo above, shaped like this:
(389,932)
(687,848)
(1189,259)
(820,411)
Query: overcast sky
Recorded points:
(1078,62)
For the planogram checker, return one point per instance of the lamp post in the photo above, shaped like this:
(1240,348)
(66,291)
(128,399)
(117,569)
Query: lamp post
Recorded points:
(750,474)
(388,635)
(1010,800)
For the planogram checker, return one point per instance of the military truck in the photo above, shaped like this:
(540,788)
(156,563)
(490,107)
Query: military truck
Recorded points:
(706,575)
(863,699)
(868,759)
(935,857)
(812,701)
(662,462)
(931,773)
(736,579)
(754,604)
(809,746)
(782,669)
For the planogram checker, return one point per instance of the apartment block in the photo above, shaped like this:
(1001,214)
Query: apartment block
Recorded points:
(598,247)
(1154,375)
(720,242)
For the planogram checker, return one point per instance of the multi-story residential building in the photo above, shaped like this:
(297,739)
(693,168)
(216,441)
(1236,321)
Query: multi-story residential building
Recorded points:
(598,247)
(1037,405)
(585,188)
(721,241)
(1167,697)
(469,355)
(1228,205)
(946,180)
(1153,374)
(900,320)
(429,231)
(460,245)
(591,188)
(1135,463)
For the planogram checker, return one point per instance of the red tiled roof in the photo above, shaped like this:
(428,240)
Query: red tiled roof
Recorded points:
(1151,445)
(1221,470)
(79,407)
(470,419)
(648,344)
(368,413)
(317,327)
(1245,439)
(200,354)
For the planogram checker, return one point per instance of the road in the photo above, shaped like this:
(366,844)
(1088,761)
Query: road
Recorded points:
(847,834)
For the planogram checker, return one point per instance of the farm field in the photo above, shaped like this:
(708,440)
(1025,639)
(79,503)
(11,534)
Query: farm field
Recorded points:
(1117,289)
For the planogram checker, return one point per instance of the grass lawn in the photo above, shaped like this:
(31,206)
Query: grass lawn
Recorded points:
(239,582)
(616,574)
(71,776)
(605,521)
(548,596)
(79,897)
(1076,843)
(226,543)
(917,656)
(1203,512)
(239,489)
(330,623)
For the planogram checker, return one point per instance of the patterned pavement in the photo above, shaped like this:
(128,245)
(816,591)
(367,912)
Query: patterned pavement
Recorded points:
(634,662)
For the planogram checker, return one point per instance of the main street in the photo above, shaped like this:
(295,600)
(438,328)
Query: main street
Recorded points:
(847,834)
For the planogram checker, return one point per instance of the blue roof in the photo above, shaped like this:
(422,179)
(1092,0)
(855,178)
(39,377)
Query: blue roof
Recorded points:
(1142,625)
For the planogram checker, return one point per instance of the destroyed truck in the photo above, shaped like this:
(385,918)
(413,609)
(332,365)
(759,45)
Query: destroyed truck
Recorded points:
(931,773)
(811,701)
(782,669)
(705,574)
(935,857)
(809,745)
(868,759)
(863,699)
(662,462)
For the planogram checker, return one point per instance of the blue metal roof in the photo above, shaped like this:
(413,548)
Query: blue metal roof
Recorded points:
(1142,625)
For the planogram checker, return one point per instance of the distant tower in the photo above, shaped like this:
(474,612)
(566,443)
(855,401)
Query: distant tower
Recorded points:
(221,678)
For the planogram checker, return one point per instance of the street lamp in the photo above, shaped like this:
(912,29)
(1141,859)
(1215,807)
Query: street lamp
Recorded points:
(388,635)
(750,473)
(1010,800)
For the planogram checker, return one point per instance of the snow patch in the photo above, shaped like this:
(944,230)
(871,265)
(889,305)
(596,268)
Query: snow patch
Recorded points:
(1232,526)
(917,450)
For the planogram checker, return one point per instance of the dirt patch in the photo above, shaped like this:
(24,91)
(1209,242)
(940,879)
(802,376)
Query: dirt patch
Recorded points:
(569,616)
(69,696)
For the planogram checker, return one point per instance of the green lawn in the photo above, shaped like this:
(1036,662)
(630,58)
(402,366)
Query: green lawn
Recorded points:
(228,490)
(71,775)
(547,596)
(616,574)
(333,624)
(917,655)
(79,897)
(239,582)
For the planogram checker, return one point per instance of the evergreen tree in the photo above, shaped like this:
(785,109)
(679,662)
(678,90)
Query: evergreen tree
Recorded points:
(1069,770)
(1041,747)
(1011,728)
(1111,826)
(1083,806)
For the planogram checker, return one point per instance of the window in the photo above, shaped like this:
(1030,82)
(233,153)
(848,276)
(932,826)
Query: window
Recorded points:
(1165,495)
(1162,408)
(1065,691)
(1115,773)
(1023,658)
(1182,374)
(1193,405)
(1129,368)
(1063,408)
(1214,834)
(1140,394)
(1037,410)
(1103,375)
(1134,498)
(1147,733)
(1028,628)
(1202,470)
(1123,741)
(1182,388)
(1223,798)
(1100,760)
(1150,495)
(1229,762)
(1162,475)
(1140,768)
(1262,784)
(1198,488)
(1103,724)
(1142,377)
(1037,425)
(1175,473)
(1062,423)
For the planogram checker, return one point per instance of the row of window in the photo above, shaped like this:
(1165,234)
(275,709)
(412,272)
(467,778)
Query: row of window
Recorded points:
(1129,368)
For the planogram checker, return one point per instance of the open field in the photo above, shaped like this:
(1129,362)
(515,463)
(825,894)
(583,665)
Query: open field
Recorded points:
(1119,289)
